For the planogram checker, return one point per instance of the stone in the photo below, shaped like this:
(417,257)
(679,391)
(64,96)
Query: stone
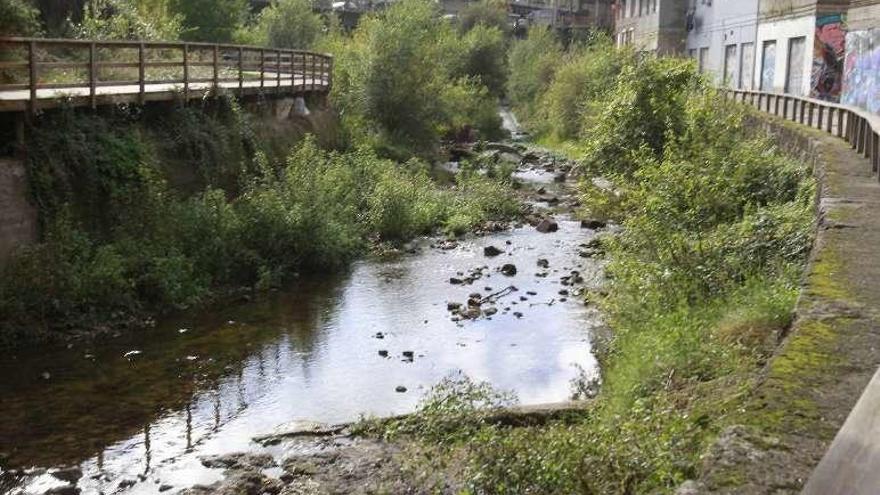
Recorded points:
(456,281)
(517,314)
(383,353)
(563,292)
(543,263)
(491,251)
(453,306)
(379,335)
(409,354)
(509,269)
(546,226)
(63,490)
(593,224)
(560,177)
(490,311)
(70,475)
(165,488)
(400,389)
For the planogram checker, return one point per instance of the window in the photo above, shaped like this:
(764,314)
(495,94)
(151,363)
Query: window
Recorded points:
(730,78)
(768,65)
(692,53)
(794,75)
(704,59)
(746,66)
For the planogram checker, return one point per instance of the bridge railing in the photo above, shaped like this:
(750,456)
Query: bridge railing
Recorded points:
(860,128)
(84,67)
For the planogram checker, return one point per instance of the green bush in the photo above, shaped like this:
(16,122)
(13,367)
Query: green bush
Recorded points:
(211,21)
(19,18)
(572,101)
(398,81)
(129,19)
(486,13)
(484,57)
(283,24)
(532,64)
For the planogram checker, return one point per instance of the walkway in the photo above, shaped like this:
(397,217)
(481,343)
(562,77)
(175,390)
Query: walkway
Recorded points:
(44,73)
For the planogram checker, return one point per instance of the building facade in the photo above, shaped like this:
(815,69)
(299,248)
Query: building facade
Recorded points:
(800,47)
(657,26)
(721,38)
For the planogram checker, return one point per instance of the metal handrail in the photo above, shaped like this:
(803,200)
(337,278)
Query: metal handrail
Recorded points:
(228,63)
(860,128)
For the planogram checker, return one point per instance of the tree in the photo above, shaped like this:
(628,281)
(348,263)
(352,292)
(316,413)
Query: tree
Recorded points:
(214,21)
(490,13)
(18,18)
(284,24)
(128,19)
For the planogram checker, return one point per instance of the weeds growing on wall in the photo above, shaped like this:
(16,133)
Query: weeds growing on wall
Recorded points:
(716,226)
(125,235)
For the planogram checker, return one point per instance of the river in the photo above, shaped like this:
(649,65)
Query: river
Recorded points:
(140,410)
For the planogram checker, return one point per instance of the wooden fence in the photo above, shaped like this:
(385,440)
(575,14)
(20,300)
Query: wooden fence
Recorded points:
(38,71)
(860,128)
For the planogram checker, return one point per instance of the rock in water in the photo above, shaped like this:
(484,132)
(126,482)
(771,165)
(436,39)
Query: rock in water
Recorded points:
(509,269)
(546,226)
(543,263)
(400,389)
(491,251)
(593,224)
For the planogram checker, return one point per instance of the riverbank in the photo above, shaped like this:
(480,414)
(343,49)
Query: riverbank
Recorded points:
(328,349)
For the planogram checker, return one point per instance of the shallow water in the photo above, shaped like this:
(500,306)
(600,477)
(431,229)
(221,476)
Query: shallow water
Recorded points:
(206,382)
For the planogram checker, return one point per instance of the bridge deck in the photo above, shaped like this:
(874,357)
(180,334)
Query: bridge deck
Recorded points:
(19,100)
(38,73)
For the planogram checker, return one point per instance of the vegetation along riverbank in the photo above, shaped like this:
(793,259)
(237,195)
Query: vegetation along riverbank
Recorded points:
(716,227)
(143,210)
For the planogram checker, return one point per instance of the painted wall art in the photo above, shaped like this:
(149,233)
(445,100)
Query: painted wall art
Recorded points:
(861,72)
(829,52)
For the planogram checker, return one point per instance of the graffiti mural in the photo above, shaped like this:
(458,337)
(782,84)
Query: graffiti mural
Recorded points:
(861,71)
(829,51)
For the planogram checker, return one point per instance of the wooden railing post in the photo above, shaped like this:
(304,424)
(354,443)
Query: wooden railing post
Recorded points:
(216,56)
(93,75)
(262,68)
(314,70)
(240,71)
(33,79)
(142,73)
(840,123)
(185,72)
(278,71)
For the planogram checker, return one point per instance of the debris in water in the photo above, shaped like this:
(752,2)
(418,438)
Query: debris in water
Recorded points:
(131,354)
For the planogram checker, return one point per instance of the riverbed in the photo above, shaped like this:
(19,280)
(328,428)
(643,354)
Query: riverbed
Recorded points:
(136,412)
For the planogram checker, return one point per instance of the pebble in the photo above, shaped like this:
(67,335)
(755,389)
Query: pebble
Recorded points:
(400,389)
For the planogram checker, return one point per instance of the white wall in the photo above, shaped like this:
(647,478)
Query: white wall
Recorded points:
(719,24)
(782,31)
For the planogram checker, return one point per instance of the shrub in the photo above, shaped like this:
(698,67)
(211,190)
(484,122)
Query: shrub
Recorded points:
(283,24)
(532,64)
(128,19)
(211,21)
(19,18)
(486,13)
(484,57)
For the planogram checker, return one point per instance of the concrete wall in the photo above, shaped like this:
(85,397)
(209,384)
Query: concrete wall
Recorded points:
(18,217)
(719,25)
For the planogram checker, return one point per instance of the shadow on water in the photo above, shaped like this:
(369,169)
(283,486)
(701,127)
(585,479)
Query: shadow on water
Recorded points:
(62,406)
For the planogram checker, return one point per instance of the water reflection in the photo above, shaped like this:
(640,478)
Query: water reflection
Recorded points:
(306,353)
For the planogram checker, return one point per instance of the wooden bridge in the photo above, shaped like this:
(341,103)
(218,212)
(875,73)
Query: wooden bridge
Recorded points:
(37,73)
